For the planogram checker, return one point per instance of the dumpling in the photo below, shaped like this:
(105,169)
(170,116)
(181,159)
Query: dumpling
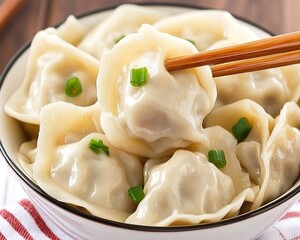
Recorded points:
(27,156)
(206,28)
(269,88)
(248,152)
(187,189)
(52,62)
(72,30)
(164,114)
(220,138)
(68,170)
(281,155)
(270,152)
(249,155)
(124,20)
(150,163)
(292,75)
(228,115)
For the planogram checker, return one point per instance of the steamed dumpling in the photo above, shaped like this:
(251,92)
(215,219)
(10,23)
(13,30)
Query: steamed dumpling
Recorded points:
(27,156)
(187,189)
(269,88)
(211,29)
(68,170)
(124,20)
(219,138)
(281,155)
(270,152)
(248,152)
(72,30)
(164,114)
(228,115)
(206,28)
(52,62)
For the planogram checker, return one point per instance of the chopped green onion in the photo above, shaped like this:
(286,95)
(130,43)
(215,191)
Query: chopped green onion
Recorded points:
(191,41)
(136,193)
(97,145)
(138,76)
(119,38)
(217,157)
(241,129)
(73,87)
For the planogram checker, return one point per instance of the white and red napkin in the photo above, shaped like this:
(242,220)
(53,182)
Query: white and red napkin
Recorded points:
(19,218)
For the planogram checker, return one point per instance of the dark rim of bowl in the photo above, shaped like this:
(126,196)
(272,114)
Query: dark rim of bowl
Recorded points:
(87,216)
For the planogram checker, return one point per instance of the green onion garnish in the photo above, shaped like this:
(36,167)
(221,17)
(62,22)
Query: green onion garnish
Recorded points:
(73,87)
(136,193)
(97,145)
(138,76)
(241,129)
(191,41)
(119,38)
(217,157)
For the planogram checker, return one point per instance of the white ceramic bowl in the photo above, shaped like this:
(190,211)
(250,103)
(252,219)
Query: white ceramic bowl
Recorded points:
(79,225)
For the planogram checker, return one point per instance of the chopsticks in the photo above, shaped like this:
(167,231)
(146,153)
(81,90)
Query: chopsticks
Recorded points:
(262,54)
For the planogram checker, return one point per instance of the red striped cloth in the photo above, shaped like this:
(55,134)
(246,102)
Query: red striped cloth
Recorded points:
(286,228)
(20,219)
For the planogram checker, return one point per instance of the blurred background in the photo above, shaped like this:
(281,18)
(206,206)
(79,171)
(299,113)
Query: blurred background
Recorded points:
(21,19)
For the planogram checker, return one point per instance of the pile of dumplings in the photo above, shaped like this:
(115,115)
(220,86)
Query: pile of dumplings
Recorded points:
(157,135)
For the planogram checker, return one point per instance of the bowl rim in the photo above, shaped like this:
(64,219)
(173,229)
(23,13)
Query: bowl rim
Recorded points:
(64,206)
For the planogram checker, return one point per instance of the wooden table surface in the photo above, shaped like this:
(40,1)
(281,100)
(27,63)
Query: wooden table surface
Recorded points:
(278,16)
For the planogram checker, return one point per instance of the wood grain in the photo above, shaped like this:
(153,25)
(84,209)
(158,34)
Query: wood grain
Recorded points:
(8,9)
(279,16)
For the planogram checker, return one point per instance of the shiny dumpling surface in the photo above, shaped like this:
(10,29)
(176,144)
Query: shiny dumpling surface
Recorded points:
(206,28)
(281,155)
(270,152)
(68,170)
(165,113)
(269,88)
(226,116)
(72,30)
(233,168)
(124,20)
(180,191)
(248,152)
(52,61)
